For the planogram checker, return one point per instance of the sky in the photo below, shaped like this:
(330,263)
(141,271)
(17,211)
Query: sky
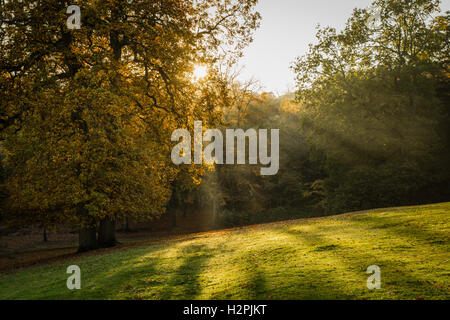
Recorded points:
(287,27)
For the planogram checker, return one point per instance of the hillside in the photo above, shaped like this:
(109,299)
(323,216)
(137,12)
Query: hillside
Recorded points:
(322,258)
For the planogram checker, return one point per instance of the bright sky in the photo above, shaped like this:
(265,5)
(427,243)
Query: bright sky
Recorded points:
(287,27)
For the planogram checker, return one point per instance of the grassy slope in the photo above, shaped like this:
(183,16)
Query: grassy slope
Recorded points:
(322,258)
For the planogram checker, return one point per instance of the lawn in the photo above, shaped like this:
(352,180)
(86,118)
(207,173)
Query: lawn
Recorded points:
(323,258)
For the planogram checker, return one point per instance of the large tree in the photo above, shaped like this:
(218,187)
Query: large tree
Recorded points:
(86,115)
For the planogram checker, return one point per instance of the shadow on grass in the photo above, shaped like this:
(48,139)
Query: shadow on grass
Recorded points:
(102,276)
(119,278)
(396,274)
(393,226)
(135,276)
(254,286)
(266,282)
(184,284)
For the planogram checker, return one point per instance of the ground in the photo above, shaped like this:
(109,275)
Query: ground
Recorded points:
(322,258)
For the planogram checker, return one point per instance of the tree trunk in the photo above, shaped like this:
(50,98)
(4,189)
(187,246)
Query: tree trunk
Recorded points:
(45,235)
(126,225)
(87,239)
(107,233)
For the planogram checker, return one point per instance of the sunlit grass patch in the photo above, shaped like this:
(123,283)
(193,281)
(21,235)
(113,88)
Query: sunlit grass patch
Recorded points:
(324,258)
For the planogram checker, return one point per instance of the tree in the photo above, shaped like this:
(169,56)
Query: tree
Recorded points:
(87,114)
(373,103)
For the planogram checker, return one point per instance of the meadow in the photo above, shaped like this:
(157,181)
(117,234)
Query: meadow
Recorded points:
(318,258)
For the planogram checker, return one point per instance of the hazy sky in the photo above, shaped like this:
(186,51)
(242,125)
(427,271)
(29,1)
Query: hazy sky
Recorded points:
(287,27)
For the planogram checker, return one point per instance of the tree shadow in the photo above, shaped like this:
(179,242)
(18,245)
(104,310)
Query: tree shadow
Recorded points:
(262,284)
(106,276)
(184,283)
(409,230)
(254,286)
(399,279)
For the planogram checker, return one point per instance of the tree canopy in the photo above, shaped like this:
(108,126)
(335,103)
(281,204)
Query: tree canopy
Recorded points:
(375,102)
(86,114)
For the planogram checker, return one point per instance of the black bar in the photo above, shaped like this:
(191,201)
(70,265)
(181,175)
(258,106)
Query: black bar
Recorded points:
(234,309)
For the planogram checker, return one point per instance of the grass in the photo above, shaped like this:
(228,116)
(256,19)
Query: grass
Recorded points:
(324,258)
